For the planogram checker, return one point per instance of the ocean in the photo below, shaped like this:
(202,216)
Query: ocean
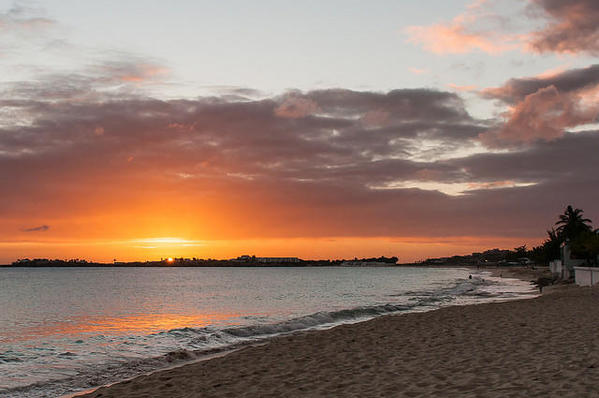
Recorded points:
(64,330)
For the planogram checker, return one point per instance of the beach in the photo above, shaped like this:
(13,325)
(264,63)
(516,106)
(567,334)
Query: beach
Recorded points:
(546,346)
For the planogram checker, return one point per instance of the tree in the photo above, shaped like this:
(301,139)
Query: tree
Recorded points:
(521,251)
(552,244)
(571,224)
(549,250)
(586,245)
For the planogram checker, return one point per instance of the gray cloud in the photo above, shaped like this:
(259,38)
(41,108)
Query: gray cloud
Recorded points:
(41,228)
(515,90)
(307,159)
(573,26)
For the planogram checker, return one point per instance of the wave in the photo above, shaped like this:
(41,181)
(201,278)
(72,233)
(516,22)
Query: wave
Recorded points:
(315,320)
(197,343)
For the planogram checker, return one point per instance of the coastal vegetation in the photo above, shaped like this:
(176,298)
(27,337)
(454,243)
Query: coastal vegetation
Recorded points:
(577,231)
(571,227)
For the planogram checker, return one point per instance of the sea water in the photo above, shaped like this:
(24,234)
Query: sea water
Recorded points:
(64,330)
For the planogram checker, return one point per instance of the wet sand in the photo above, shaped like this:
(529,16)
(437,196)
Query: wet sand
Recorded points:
(542,347)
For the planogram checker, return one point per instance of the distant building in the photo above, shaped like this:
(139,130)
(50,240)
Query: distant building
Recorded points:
(360,263)
(277,259)
(254,259)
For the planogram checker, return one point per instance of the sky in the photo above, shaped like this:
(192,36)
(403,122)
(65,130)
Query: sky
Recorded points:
(136,130)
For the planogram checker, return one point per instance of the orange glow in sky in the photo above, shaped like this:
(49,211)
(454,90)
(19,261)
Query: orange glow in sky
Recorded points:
(476,136)
(406,248)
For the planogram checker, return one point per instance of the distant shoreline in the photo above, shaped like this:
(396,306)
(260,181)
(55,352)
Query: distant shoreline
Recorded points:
(231,264)
(219,264)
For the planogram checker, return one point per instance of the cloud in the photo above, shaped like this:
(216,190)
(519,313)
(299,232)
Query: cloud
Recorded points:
(41,228)
(455,38)
(573,80)
(546,161)
(132,70)
(543,115)
(418,71)
(21,19)
(296,107)
(467,88)
(126,78)
(474,30)
(542,108)
(110,166)
(572,27)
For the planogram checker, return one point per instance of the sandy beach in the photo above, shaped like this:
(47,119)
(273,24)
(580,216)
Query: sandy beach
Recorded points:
(542,347)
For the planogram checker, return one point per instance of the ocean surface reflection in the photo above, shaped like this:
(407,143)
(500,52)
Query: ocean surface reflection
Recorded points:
(146,323)
(67,329)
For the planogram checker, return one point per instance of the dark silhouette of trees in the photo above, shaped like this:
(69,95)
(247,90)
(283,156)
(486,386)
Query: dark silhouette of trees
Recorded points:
(573,228)
(571,224)
(586,246)
(552,245)
(549,250)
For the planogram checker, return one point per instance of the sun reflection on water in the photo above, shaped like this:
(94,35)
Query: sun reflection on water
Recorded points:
(132,324)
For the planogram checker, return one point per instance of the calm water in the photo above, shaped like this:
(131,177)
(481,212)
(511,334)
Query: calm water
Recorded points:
(67,329)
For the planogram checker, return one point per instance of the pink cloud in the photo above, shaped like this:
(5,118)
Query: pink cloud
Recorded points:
(473,30)
(132,71)
(455,38)
(551,73)
(418,71)
(143,73)
(571,27)
(467,88)
(544,106)
(542,115)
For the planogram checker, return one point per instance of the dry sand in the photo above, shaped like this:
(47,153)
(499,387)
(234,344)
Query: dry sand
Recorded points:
(543,347)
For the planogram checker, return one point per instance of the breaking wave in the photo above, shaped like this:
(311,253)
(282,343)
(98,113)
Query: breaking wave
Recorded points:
(198,343)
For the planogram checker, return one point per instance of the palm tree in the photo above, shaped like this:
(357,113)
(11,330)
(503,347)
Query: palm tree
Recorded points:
(571,224)
(552,236)
(551,246)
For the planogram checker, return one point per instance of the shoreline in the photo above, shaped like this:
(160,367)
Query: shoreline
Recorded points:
(493,349)
(221,352)
(459,334)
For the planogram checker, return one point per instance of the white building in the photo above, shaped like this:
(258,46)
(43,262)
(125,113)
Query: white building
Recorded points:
(254,259)
(277,259)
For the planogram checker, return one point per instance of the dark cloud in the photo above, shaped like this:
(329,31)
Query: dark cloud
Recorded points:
(319,163)
(570,158)
(543,108)
(41,228)
(515,90)
(573,27)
